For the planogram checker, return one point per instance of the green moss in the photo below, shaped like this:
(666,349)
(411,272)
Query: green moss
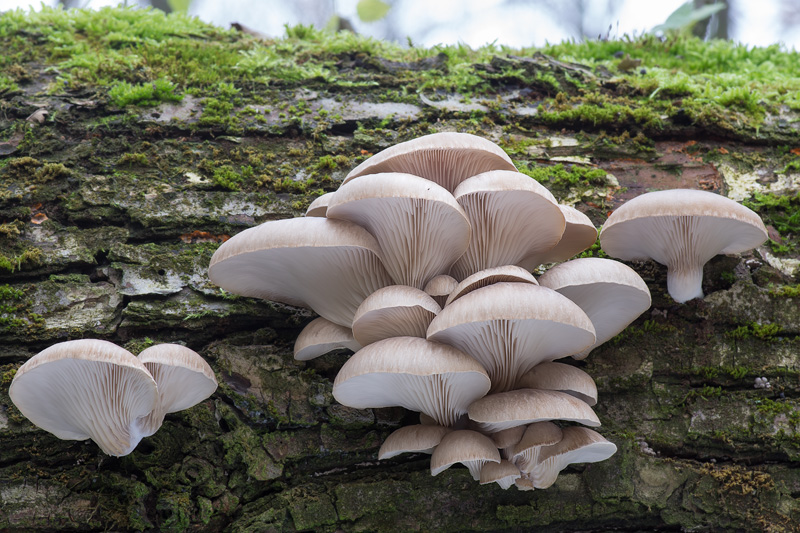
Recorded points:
(560,177)
(759,331)
(144,94)
(25,260)
(785,291)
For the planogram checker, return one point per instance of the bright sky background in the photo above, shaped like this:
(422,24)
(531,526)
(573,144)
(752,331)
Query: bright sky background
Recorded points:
(476,22)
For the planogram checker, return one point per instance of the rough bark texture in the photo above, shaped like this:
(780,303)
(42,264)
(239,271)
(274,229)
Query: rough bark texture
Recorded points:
(112,204)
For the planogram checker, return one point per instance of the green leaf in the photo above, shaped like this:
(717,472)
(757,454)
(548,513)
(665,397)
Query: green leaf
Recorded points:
(371,10)
(686,16)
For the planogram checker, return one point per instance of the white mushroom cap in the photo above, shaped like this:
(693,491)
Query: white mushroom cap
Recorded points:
(503,473)
(523,484)
(321,336)
(319,207)
(394,311)
(445,158)
(579,234)
(327,265)
(578,445)
(512,327)
(417,438)
(410,372)
(419,226)
(87,389)
(184,379)
(506,439)
(610,293)
(512,217)
(440,287)
(467,447)
(490,276)
(561,377)
(525,453)
(681,229)
(504,410)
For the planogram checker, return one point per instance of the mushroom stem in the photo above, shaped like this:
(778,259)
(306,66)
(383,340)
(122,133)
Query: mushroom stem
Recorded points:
(685,283)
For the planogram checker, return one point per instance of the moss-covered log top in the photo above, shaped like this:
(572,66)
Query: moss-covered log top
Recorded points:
(133,143)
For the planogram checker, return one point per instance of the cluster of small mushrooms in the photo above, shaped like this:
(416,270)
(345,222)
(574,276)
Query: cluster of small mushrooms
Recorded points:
(93,389)
(420,263)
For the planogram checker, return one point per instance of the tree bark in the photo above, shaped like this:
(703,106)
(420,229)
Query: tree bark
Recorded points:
(110,213)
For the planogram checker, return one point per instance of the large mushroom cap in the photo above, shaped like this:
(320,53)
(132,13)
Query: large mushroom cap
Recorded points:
(327,265)
(410,372)
(504,410)
(512,327)
(490,276)
(512,217)
(321,336)
(610,293)
(579,234)
(417,438)
(394,311)
(467,447)
(420,228)
(87,389)
(445,158)
(184,379)
(561,377)
(578,445)
(681,229)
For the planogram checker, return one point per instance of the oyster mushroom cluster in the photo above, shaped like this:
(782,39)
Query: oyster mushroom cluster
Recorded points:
(420,263)
(93,389)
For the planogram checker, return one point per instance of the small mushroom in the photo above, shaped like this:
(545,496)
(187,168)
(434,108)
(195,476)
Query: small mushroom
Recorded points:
(393,311)
(561,377)
(319,207)
(184,379)
(503,473)
(410,372)
(490,276)
(525,453)
(577,445)
(610,293)
(87,389)
(579,234)
(322,336)
(506,439)
(682,229)
(440,287)
(417,438)
(467,447)
(504,410)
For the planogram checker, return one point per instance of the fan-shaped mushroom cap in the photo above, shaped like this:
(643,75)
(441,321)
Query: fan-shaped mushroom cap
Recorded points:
(523,484)
(525,453)
(184,379)
(610,293)
(327,265)
(579,234)
(561,377)
(445,158)
(417,438)
(410,372)
(503,473)
(419,226)
(578,445)
(394,311)
(504,410)
(681,229)
(512,327)
(321,336)
(319,207)
(467,447)
(440,287)
(512,216)
(87,389)
(490,276)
